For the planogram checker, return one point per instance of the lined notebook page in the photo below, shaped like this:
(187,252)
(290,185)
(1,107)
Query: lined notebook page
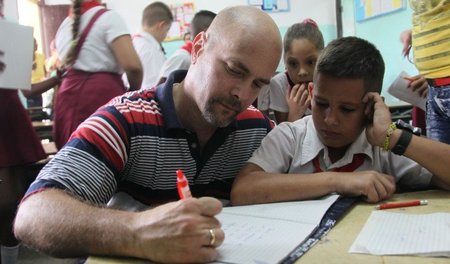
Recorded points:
(267,233)
(387,233)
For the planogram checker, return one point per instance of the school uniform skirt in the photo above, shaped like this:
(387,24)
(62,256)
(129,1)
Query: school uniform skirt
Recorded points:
(19,143)
(80,95)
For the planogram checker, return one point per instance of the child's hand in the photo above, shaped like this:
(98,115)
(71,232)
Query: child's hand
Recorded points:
(419,85)
(405,39)
(298,101)
(2,64)
(380,118)
(373,185)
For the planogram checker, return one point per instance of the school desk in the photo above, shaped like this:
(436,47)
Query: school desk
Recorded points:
(333,248)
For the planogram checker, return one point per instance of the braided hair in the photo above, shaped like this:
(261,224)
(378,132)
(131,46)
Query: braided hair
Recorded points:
(76,8)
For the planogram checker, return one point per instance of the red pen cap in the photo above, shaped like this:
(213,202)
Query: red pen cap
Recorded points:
(180,174)
(181,179)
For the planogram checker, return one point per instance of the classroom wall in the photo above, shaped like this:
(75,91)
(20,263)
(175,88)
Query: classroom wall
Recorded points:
(383,31)
(323,12)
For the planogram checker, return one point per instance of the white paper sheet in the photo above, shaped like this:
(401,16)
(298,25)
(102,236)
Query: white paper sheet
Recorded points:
(387,233)
(399,88)
(266,233)
(17,45)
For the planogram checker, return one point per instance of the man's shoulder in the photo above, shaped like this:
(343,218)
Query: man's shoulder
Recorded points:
(138,106)
(253,116)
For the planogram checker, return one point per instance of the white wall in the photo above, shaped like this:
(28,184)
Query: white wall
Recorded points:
(322,11)
(10,9)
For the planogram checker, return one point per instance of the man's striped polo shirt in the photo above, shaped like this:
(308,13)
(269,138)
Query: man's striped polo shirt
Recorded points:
(135,144)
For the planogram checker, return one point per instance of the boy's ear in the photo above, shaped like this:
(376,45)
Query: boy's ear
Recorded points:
(197,46)
(162,24)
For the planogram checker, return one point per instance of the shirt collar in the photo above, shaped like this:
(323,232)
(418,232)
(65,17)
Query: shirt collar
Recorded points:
(164,95)
(312,146)
(149,37)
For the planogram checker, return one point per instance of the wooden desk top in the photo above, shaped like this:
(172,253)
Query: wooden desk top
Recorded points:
(333,248)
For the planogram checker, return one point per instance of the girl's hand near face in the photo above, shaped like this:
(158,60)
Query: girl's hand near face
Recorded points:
(299,101)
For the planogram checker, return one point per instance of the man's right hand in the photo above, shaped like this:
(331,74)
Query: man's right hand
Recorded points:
(179,231)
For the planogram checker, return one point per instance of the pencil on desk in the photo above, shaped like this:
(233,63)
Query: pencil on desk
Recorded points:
(401,204)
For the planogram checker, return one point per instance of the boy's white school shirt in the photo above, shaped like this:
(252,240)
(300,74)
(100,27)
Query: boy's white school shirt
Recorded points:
(292,147)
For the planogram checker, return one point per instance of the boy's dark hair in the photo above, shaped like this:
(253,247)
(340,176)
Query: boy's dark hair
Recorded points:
(307,29)
(155,13)
(201,21)
(354,58)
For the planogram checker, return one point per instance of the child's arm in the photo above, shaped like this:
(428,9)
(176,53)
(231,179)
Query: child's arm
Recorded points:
(254,185)
(433,155)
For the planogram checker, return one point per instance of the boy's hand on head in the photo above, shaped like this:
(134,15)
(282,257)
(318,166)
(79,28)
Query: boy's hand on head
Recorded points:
(378,112)
(373,185)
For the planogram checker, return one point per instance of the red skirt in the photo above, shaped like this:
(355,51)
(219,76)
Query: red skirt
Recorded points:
(19,143)
(80,95)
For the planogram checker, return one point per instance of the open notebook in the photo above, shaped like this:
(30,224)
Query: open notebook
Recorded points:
(267,233)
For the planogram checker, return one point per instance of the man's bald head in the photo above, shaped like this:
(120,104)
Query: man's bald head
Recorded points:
(245,24)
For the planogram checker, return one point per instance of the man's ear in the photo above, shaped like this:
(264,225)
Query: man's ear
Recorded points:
(197,46)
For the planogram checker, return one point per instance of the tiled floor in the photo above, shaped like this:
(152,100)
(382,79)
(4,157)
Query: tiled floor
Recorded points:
(30,256)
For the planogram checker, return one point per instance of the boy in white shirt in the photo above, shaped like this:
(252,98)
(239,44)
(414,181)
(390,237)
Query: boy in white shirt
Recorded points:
(156,21)
(349,145)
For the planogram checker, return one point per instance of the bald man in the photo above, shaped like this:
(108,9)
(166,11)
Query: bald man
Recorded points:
(199,121)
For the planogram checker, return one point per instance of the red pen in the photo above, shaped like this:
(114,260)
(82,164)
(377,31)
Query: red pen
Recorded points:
(183,185)
(401,204)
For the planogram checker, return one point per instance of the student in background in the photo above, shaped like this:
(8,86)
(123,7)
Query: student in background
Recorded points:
(96,47)
(38,74)
(53,68)
(288,93)
(187,37)
(136,143)
(181,59)
(429,41)
(156,21)
(20,148)
(349,145)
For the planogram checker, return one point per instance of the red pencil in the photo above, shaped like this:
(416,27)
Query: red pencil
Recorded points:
(401,204)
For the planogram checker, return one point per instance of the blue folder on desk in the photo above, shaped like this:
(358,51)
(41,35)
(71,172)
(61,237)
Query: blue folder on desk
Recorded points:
(334,213)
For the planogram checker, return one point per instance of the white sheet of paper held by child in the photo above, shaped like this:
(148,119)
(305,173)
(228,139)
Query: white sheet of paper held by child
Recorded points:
(401,89)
